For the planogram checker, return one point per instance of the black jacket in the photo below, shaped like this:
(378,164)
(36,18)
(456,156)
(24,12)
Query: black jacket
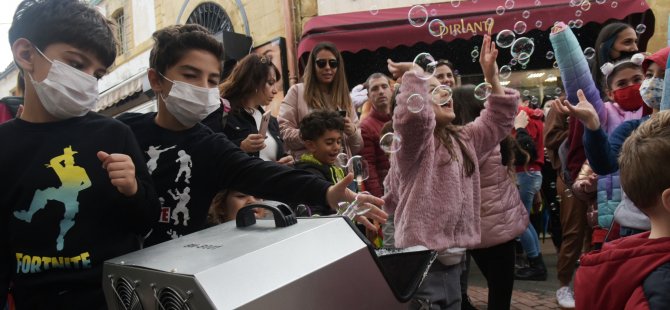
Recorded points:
(656,287)
(239,125)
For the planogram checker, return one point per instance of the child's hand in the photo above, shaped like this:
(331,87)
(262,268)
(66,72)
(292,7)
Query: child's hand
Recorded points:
(253,143)
(583,111)
(560,26)
(339,192)
(487,60)
(121,170)
(397,69)
(521,120)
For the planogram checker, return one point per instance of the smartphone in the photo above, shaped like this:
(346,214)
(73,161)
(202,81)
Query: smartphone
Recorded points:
(343,113)
(265,120)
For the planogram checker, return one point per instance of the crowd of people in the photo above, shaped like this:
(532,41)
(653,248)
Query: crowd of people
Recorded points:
(462,175)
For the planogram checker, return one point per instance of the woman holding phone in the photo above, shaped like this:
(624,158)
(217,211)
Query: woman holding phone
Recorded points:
(250,87)
(324,88)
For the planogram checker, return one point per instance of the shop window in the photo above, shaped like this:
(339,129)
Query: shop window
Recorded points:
(121,35)
(211,16)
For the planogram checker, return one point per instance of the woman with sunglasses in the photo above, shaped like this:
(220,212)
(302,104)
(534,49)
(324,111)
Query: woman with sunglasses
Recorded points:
(324,88)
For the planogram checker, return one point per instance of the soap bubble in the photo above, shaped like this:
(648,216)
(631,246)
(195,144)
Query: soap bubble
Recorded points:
(524,62)
(526,92)
(423,66)
(579,23)
(523,66)
(455,3)
(538,24)
(520,27)
(571,24)
(474,53)
(641,28)
(522,48)
(442,94)
(418,16)
(435,27)
(600,1)
(586,5)
(534,100)
(615,4)
(555,65)
(433,12)
(558,91)
(342,159)
(589,52)
(415,103)
(500,10)
(578,13)
(513,62)
(509,4)
(359,167)
(483,91)
(550,55)
(525,14)
(574,3)
(505,72)
(505,38)
(538,3)
(390,142)
(374,10)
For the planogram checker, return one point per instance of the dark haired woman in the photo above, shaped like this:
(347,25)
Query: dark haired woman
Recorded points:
(324,88)
(616,41)
(251,86)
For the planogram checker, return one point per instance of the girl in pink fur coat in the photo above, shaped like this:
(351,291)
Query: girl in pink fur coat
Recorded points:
(433,184)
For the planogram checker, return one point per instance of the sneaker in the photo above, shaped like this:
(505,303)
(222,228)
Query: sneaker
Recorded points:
(565,297)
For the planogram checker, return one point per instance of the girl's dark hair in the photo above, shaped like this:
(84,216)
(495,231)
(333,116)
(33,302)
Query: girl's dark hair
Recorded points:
(339,89)
(173,42)
(73,22)
(444,62)
(603,47)
(250,74)
(466,107)
(315,124)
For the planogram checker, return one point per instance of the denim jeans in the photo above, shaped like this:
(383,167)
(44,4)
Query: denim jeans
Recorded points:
(529,184)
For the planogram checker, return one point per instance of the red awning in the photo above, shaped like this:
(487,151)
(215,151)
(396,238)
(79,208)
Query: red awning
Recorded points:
(389,28)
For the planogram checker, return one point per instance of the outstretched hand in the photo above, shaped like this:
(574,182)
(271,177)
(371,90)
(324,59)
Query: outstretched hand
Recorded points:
(339,193)
(521,120)
(487,60)
(583,111)
(397,69)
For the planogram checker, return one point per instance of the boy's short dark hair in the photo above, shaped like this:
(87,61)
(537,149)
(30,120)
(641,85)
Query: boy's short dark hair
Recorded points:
(318,122)
(45,22)
(173,42)
(644,174)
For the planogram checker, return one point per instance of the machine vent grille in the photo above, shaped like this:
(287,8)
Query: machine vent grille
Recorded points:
(170,299)
(126,296)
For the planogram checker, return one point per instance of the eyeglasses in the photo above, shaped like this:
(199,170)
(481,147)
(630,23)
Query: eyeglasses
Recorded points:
(321,63)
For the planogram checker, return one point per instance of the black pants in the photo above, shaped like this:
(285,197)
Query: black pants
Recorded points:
(497,265)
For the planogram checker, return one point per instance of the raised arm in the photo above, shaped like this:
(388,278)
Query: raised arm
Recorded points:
(574,69)
(497,120)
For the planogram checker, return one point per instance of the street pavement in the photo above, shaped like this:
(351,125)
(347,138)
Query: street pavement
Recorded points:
(527,294)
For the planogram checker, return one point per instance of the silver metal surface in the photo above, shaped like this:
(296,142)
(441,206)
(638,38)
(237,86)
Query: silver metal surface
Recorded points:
(319,263)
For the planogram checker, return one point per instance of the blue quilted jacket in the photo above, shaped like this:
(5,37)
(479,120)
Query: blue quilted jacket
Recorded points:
(576,75)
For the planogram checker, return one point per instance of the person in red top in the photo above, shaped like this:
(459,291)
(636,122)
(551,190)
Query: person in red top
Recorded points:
(379,94)
(634,272)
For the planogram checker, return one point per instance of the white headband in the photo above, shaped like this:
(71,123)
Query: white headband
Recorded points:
(608,67)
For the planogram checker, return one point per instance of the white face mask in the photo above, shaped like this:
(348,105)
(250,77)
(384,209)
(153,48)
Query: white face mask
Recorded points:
(66,92)
(651,91)
(190,104)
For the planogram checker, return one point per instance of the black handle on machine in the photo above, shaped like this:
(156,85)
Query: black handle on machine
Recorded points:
(282,213)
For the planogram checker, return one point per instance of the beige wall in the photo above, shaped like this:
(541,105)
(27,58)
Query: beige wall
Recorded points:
(661,9)
(335,6)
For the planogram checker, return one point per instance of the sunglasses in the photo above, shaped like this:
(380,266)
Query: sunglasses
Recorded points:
(321,63)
